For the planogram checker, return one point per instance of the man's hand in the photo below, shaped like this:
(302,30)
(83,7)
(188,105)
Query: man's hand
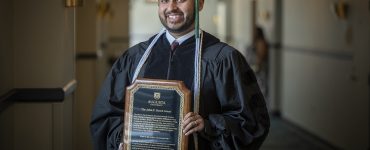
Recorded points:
(192,123)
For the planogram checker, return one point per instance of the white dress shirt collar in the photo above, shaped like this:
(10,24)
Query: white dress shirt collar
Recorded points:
(181,39)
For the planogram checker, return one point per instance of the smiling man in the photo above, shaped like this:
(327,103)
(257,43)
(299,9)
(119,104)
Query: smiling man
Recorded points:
(232,113)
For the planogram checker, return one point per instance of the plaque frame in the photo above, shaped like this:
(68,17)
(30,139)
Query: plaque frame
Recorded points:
(156,84)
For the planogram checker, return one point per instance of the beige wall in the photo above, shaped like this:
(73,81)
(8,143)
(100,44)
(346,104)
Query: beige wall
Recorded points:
(241,24)
(141,29)
(7,128)
(43,50)
(85,97)
(324,76)
(88,42)
(6,46)
(38,52)
(6,71)
(118,28)
(86,33)
(46,126)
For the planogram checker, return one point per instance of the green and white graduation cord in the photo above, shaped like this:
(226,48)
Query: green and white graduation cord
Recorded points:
(197,67)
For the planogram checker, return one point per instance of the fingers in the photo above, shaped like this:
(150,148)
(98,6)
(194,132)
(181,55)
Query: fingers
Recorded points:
(195,127)
(189,124)
(189,117)
(192,123)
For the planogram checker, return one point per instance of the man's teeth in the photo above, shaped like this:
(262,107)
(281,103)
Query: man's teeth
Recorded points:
(172,17)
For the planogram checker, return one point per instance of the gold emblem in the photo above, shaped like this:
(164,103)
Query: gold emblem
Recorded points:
(157,95)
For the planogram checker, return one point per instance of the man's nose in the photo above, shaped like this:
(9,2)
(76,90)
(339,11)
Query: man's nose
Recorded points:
(173,5)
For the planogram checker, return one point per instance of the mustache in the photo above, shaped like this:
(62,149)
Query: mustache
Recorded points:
(174,12)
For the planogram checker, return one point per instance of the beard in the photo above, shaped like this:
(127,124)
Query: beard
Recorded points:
(183,26)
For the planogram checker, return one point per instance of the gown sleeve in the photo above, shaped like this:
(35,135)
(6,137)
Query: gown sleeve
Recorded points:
(107,122)
(243,122)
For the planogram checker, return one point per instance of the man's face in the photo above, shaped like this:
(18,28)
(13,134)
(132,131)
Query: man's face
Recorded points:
(177,15)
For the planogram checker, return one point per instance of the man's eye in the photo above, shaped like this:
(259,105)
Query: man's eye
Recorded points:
(163,1)
(167,1)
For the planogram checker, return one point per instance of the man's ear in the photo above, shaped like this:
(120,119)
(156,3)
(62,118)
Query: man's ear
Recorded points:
(201,4)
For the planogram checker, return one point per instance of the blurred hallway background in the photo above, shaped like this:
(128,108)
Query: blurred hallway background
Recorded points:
(54,55)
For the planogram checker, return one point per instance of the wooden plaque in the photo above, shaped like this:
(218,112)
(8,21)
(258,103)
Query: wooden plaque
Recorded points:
(154,110)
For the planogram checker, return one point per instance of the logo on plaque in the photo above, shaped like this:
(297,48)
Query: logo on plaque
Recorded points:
(157,95)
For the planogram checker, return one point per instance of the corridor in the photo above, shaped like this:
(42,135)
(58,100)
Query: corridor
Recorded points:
(315,73)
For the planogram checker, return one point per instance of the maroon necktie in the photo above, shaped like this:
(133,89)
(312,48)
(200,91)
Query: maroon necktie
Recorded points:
(174,45)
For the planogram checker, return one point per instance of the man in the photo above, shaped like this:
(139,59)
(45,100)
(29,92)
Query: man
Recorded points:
(232,112)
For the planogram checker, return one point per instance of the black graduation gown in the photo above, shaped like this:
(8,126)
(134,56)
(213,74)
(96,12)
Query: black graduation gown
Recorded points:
(231,102)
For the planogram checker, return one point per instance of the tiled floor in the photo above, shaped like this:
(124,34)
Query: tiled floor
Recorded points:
(284,136)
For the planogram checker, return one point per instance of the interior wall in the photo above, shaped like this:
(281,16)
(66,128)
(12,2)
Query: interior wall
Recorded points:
(266,18)
(86,33)
(86,94)
(87,43)
(6,72)
(43,50)
(325,67)
(6,48)
(141,29)
(44,127)
(241,24)
(119,28)
(208,17)
(41,56)
(63,130)
(37,113)
(7,128)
